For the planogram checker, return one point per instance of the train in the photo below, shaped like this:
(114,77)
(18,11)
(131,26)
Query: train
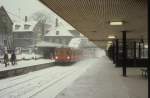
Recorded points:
(76,50)
(67,55)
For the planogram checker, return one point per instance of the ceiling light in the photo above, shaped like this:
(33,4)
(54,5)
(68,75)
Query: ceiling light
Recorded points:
(116,23)
(111,37)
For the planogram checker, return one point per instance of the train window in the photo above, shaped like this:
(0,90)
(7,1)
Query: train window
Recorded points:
(68,52)
(63,51)
(60,51)
(57,51)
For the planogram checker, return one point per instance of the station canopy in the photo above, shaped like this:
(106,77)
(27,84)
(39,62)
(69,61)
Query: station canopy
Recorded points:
(93,17)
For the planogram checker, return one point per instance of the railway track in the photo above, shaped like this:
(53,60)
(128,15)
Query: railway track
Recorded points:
(29,85)
(34,83)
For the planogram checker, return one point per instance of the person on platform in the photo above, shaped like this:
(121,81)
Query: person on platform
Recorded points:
(13,58)
(6,59)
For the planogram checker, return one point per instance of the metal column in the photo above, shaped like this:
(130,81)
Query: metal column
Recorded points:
(117,52)
(124,44)
(113,53)
(139,56)
(134,52)
(148,67)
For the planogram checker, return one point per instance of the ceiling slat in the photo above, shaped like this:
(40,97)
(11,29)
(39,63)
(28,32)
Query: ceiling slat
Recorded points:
(93,15)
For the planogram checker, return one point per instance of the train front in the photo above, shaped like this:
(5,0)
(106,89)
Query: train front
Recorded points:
(63,55)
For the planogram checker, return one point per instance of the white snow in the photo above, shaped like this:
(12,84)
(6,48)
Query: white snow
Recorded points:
(28,56)
(24,56)
(21,29)
(48,44)
(99,52)
(78,42)
(81,42)
(77,70)
(46,83)
(61,29)
(24,63)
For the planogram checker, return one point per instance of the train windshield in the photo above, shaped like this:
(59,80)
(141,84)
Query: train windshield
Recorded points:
(64,51)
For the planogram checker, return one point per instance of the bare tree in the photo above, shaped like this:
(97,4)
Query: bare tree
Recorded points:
(40,16)
(43,19)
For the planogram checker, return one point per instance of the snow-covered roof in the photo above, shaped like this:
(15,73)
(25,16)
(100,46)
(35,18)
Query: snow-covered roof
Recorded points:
(81,42)
(6,13)
(62,32)
(24,26)
(75,32)
(48,44)
(15,18)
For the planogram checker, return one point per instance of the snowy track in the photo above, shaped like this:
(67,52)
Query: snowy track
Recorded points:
(32,84)
(27,84)
(25,67)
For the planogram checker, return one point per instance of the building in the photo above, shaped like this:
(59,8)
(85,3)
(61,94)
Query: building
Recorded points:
(59,34)
(75,33)
(6,25)
(27,33)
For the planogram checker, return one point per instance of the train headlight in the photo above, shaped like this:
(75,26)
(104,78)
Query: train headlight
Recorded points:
(68,57)
(56,57)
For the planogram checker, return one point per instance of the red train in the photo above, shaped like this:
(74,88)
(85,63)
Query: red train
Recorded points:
(67,55)
(76,50)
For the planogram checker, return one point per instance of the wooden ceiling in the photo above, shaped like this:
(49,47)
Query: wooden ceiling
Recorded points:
(92,17)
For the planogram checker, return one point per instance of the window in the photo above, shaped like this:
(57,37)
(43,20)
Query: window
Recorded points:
(20,35)
(50,40)
(57,32)
(26,26)
(17,27)
(57,40)
(5,42)
(64,41)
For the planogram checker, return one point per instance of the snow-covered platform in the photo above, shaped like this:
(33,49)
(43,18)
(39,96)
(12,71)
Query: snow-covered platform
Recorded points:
(103,80)
(24,66)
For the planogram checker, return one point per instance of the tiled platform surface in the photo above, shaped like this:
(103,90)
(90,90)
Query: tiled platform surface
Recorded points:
(103,80)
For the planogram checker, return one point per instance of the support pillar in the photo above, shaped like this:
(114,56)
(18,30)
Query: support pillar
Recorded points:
(148,67)
(117,52)
(143,53)
(113,53)
(124,44)
(139,56)
(134,52)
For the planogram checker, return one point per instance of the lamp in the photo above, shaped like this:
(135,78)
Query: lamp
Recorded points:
(116,23)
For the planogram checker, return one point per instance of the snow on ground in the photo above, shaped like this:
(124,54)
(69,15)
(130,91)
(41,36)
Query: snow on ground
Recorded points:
(26,56)
(99,52)
(24,63)
(77,70)
(46,83)
(104,80)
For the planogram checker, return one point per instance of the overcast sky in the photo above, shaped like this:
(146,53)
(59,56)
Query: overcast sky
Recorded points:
(23,8)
